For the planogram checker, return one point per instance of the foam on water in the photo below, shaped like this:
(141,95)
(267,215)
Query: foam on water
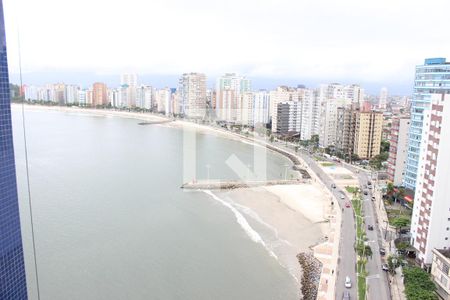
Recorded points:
(254,236)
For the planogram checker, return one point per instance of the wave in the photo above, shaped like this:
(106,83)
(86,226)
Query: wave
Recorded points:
(250,212)
(254,236)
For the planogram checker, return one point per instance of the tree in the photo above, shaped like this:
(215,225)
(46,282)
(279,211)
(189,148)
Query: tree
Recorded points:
(384,146)
(390,189)
(364,250)
(400,222)
(393,263)
(418,285)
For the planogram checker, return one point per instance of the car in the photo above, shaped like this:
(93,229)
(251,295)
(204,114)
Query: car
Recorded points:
(333,185)
(369,183)
(346,295)
(385,267)
(347,204)
(342,196)
(366,192)
(382,251)
(373,198)
(370,227)
(348,282)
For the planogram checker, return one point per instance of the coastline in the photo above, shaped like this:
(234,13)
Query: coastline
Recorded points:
(290,218)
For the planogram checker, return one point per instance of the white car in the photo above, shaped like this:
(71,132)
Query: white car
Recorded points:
(348,282)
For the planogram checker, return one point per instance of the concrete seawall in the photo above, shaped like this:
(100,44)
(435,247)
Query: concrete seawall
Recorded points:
(235,184)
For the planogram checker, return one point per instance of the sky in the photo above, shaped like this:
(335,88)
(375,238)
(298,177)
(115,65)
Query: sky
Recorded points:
(373,43)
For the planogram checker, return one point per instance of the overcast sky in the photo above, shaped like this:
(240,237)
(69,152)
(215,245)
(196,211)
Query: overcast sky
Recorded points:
(377,43)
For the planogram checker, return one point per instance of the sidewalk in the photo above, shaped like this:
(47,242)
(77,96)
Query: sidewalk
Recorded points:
(396,285)
(328,254)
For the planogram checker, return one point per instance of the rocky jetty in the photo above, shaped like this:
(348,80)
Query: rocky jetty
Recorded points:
(311,271)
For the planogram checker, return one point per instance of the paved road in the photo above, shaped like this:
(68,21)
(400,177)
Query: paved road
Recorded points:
(347,255)
(377,280)
(378,287)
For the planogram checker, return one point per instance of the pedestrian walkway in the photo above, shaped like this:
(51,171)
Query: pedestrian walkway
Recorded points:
(328,253)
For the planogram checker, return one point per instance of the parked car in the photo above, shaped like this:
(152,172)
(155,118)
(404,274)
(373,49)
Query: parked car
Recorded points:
(346,295)
(373,198)
(404,231)
(370,227)
(369,183)
(385,267)
(382,251)
(366,192)
(348,282)
(347,204)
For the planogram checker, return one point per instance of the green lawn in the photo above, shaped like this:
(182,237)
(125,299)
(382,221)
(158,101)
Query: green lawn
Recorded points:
(360,238)
(327,164)
(351,189)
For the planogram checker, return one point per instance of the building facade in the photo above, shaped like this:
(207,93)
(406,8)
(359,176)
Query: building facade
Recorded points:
(229,91)
(12,270)
(192,88)
(433,77)
(99,94)
(382,100)
(368,130)
(440,272)
(398,149)
(430,222)
(288,117)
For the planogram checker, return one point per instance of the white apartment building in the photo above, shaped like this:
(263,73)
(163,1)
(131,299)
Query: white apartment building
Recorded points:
(261,107)
(382,101)
(281,94)
(329,98)
(398,150)
(288,117)
(430,224)
(246,112)
(163,99)
(72,93)
(310,115)
(229,90)
(192,89)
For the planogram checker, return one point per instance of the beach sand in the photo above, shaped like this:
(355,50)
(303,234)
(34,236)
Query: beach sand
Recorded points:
(289,218)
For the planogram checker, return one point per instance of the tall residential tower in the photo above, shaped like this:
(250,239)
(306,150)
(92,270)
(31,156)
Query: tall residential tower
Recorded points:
(12,270)
(433,77)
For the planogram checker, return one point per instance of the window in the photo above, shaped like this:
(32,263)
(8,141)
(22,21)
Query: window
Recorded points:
(444,268)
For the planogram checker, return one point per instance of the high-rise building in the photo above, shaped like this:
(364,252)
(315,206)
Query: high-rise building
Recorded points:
(288,117)
(60,93)
(430,222)
(192,88)
(368,130)
(281,94)
(345,130)
(398,149)
(433,77)
(310,114)
(99,94)
(382,101)
(247,109)
(229,90)
(261,107)
(129,79)
(12,270)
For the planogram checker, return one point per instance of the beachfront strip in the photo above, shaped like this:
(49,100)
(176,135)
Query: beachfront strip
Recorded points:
(316,199)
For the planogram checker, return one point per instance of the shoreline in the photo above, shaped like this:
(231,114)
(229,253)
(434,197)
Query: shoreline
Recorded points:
(285,198)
